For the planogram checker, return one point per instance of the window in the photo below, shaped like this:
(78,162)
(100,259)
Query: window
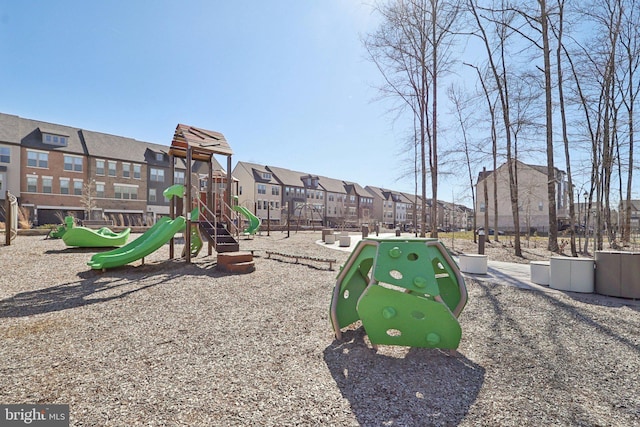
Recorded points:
(47,184)
(152,194)
(126,170)
(77,187)
(275,190)
(64,185)
(157,175)
(540,206)
(240,190)
(137,171)
(112,168)
(266,175)
(99,167)
(5,155)
(99,189)
(32,184)
(37,159)
(262,189)
(482,207)
(73,163)
(58,140)
(126,192)
(178,177)
(159,157)
(1,182)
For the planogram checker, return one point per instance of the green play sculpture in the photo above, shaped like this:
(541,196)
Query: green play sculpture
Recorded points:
(406,292)
(84,237)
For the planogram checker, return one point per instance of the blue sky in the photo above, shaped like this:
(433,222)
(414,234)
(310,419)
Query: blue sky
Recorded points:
(286,81)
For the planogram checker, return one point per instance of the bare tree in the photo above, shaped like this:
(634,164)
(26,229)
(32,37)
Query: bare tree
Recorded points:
(491,105)
(88,198)
(559,34)
(500,18)
(412,49)
(629,82)
(461,105)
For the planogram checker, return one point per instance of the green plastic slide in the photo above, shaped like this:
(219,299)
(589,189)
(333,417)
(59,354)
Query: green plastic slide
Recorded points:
(254,221)
(149,242)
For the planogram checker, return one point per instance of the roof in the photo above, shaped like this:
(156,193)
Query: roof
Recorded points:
(359,190)
(203,143)
(30,135)
(114,147)
(287,177)
(332,185)
(539,168)
(9,128)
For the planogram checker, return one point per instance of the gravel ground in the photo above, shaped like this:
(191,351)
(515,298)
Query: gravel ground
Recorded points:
(171,344)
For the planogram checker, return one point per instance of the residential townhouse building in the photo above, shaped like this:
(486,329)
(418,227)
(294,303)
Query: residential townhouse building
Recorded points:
(49,166)
(10,156)
(302,196)
(53,170)
(364,203)
(57,170)
(117,167)
(259,191)
(312,198)
(158,178)
(383,206)
(336,211)
(533,205)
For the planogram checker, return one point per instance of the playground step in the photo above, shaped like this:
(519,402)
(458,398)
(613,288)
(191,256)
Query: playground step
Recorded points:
(220,238)
(236,262)
(239,268)
(226,247)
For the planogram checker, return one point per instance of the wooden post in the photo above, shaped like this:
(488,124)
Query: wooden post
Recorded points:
(7,219)
(188,205)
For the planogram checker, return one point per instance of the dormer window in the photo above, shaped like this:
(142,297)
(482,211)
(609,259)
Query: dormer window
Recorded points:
(159,157)
(266,175)
(54,138)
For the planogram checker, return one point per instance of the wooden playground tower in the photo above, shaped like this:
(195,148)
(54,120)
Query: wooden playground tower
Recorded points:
(195,144)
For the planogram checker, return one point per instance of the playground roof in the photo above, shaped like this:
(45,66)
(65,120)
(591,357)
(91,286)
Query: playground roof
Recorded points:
(203,143)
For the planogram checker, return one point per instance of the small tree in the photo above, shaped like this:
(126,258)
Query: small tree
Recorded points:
(88,199)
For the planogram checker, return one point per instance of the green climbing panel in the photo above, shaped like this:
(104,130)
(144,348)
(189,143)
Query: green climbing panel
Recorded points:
(405,291)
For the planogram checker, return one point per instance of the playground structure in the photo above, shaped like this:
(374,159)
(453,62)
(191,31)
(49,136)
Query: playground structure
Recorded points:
(85,237)
(254,221)
(406,292)
(212,217)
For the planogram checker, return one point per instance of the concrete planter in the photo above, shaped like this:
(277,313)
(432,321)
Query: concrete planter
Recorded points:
(473,263)
(345,241)
(540,272)
(618,274)
(330,239)
(572,274)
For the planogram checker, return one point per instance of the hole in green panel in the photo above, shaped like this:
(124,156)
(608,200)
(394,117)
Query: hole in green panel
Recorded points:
(394,333)
(395,274)
(346,294)
(412,256)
